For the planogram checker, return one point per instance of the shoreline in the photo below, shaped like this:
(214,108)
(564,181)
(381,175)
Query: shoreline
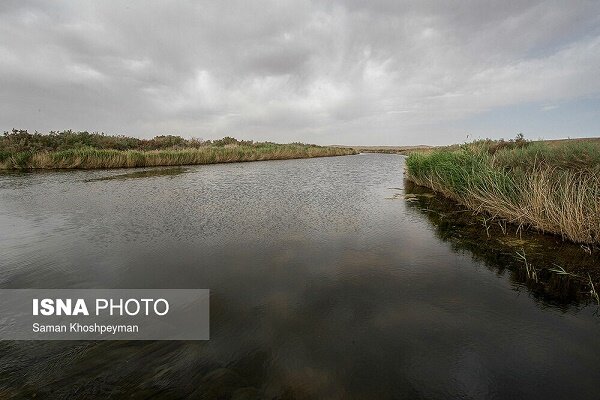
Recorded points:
(552,188)
(90,159)
(549,266)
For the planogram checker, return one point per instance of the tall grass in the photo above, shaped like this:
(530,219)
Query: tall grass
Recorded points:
(20,149)
(89,158)
(554,188)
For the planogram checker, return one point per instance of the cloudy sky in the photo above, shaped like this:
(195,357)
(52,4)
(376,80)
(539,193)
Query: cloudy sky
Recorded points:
(351,72)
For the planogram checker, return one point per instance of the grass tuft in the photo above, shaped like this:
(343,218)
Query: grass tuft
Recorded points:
(552,187)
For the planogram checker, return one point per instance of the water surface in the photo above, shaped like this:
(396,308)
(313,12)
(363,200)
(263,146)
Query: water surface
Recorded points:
(326,283)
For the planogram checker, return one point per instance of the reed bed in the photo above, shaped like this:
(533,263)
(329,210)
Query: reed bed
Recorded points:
(553,188)
(63,150)
(89,158)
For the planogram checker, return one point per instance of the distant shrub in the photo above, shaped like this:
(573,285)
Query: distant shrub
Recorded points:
(67,149)
(19,140)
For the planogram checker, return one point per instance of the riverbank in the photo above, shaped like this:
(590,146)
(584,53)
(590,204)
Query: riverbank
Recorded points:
(553,187)
(83,150)
(552,269)
(405,150)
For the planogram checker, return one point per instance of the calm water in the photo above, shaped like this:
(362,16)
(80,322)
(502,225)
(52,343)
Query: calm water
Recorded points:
(323,286)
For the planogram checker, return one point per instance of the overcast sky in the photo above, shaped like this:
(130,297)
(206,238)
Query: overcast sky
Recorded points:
(353,72)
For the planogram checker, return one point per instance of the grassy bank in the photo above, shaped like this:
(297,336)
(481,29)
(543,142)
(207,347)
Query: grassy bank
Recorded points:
(23,150)
(553,187)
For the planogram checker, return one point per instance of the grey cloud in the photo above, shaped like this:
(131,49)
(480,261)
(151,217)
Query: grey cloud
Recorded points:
(346,72)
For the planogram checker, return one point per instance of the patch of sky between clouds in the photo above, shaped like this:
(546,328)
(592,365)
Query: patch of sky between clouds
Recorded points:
(557,120)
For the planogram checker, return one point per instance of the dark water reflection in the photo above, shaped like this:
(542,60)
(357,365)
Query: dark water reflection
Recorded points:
(563,269)
(143,173)
(322,287)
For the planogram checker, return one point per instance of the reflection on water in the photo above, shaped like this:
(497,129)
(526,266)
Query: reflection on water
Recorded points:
(563,269)
(321,287)
(146,173)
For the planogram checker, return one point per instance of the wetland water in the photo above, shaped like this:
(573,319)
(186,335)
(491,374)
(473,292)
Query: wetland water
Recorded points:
(325,283)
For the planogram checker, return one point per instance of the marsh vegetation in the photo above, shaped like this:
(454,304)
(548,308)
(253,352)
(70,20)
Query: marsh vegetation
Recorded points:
(20,149)
(553,187)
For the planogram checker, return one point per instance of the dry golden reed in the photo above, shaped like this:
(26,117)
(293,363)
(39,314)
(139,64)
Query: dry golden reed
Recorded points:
(554,189)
